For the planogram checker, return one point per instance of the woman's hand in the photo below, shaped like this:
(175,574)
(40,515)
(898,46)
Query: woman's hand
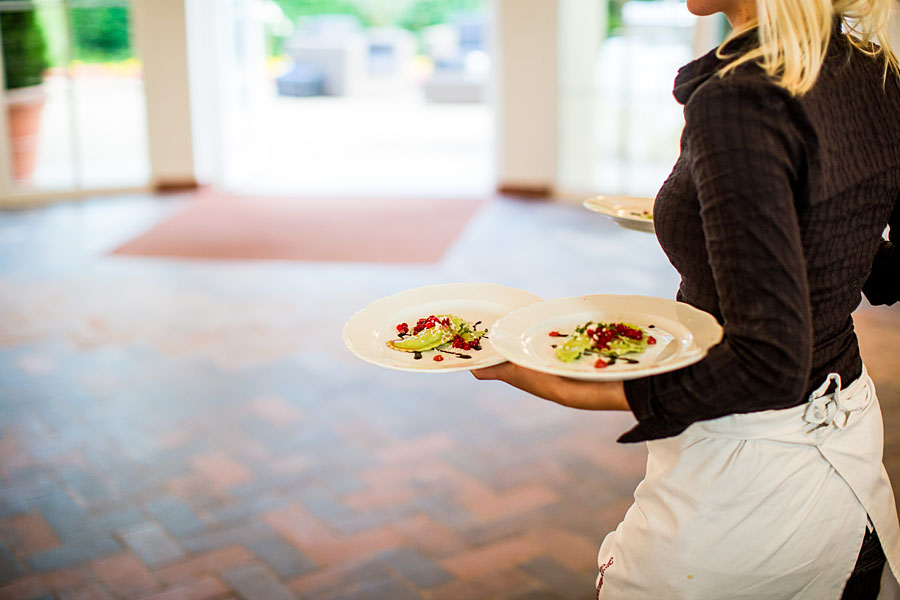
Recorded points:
(574,393)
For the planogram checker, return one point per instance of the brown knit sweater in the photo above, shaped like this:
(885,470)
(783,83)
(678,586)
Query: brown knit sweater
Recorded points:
(774,215)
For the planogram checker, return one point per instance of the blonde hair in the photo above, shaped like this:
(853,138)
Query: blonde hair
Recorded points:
(794,36)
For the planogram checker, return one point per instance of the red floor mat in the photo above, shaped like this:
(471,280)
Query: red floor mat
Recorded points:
(217,226)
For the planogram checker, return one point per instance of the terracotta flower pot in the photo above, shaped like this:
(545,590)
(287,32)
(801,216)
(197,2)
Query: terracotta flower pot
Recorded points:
(25,106)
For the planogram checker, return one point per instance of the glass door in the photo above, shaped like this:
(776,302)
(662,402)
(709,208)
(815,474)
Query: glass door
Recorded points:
(227,53)
(75,117)
(619,124)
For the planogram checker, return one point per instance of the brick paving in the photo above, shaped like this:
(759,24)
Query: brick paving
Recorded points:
(189,430)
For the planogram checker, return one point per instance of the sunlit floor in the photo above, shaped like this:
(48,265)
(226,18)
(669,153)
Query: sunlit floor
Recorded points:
(190,429)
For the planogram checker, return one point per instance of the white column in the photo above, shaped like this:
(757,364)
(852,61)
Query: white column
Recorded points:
(582,26)
(525,94)
(161,39)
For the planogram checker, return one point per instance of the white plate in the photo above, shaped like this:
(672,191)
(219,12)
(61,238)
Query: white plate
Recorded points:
(624,210)
(367,332)
(683,334)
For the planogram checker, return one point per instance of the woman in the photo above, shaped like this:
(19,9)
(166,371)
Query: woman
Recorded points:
(764,476)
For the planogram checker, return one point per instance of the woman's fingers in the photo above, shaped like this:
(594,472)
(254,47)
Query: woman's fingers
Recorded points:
(533,382)
(495,372)
(588,395)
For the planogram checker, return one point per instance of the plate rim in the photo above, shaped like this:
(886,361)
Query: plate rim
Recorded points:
(633,223)
(694,354)
(348,343)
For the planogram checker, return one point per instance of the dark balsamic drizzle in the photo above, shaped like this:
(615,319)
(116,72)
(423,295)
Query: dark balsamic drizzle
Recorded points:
(459,354)
(611,360)
(417,355)
(651,326)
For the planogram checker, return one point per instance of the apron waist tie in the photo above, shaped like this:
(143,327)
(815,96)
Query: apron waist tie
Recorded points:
(809,424)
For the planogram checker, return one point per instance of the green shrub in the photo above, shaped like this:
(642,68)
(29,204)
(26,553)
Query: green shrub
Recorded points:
(101,34)
(24,49)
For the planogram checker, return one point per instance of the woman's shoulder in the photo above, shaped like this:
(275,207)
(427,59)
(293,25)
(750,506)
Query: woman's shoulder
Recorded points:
(744,93)
(743,109)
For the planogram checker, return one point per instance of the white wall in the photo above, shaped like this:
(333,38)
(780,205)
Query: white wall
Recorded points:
(525,94)
(161,40)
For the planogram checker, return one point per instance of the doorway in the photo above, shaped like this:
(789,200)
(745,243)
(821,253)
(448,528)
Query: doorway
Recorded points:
(366,97)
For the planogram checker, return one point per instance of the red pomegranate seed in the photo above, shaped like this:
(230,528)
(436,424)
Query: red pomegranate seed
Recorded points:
(600,364)
(555,334)
(438,358)
(651,340)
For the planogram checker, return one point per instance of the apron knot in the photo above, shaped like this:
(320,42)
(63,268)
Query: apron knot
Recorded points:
(826,410)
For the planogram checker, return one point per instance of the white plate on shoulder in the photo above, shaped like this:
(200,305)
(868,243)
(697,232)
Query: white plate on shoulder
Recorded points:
(627,211)
(683,334)
(367,332)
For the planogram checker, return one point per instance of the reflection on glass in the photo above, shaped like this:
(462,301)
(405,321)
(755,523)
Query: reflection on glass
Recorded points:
(108,96)
(74,94)
(38,121)
(639,121)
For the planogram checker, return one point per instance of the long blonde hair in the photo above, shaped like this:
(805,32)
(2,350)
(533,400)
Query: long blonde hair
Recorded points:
(794,36)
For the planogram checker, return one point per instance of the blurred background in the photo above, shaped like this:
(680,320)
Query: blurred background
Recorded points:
(195,195)
(403,93)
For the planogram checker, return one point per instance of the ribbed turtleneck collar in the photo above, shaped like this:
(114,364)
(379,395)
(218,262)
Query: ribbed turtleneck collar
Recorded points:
(695,73)
(692,75)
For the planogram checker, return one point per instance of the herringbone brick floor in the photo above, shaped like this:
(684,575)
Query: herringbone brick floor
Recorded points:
(190,430)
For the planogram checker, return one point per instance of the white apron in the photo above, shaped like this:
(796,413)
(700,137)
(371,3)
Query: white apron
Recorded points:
(767,505)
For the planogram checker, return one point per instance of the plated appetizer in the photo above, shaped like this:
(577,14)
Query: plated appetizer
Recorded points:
(610,342)
(439,333)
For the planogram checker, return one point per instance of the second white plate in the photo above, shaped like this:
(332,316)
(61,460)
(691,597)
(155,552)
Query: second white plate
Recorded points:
(683,334)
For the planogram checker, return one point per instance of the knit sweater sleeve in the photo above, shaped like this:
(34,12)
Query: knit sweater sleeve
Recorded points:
(883,284)
(744,154)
